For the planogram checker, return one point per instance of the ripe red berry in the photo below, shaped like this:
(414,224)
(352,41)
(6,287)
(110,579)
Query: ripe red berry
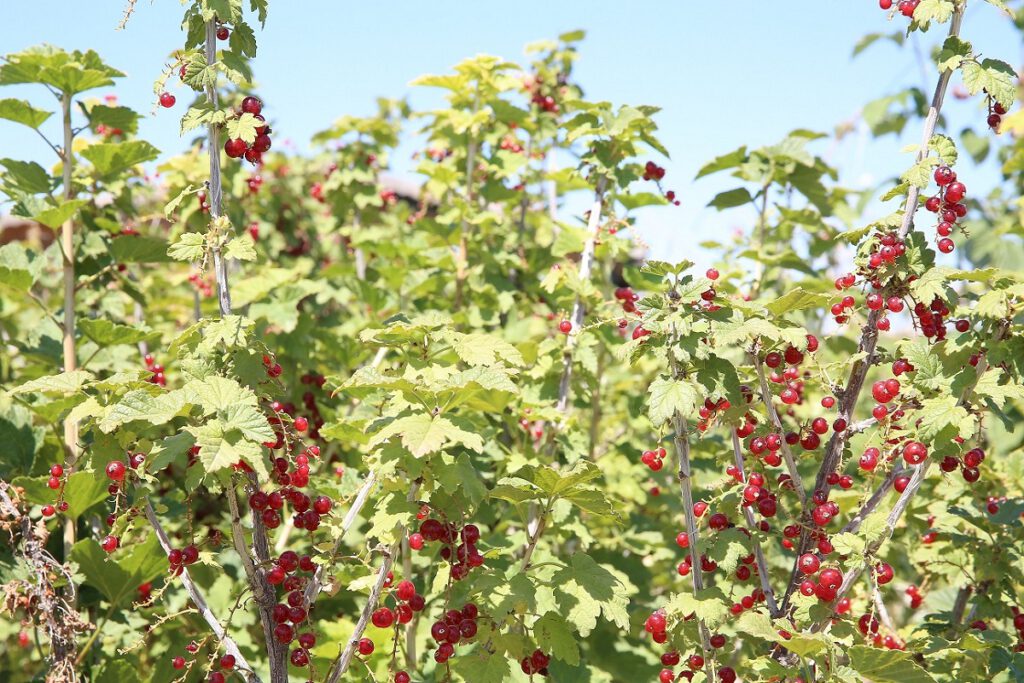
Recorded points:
(365,646)
(301,424)
(809,564)
(115,470)
(252,105)
(565,327)
(167,100)
(227,662)
(382,617)
(110,543)
(235,148)
(223,33)
(178,662)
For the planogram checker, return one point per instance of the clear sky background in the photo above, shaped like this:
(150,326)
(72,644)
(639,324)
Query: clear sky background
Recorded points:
(724,74)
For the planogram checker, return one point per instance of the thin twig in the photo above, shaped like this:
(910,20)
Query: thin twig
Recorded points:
(341,664)
(230,646)
(578,309)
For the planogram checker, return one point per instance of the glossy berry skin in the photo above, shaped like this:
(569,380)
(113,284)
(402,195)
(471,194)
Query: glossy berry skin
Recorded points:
(167,100)
(235,148)
(227,662)
(115,470)
(809,564)
(223,33)
(252,105)
(365,646)
(178,662)
(301,424)
(565,327)
(382,617)
(944,175)
(110,543)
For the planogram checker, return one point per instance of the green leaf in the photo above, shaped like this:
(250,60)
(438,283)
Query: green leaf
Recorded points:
(101,571)
(222,447)
(22,112)
(423,434)
(243,127)
(944,146)
(585,590)
(142,405)
(26,176)
(731,198)
(995,77)
(553,635)
(797,300)
(460,476)
(731,160)
(107,333)
(241,249)
(112,158)
(482,666)
(884,666)
(116,671)
(486,349)
(942,413)
(64,383)
(190,246)
(668,396)
(933,10)
(54,216)
(138,249)
(954,51)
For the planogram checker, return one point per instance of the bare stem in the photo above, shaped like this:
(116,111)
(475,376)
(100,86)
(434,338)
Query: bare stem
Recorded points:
(341,664)
(578,309)
(68,249)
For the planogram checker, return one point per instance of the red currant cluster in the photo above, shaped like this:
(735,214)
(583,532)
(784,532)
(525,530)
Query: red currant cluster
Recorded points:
(828,580)
(56,482)
(905,7)
(656,625)
(654,459)
(290,615)
(536,429)
(274,368)
(931,319)
(227,663)
(457,626)
(254,182)
(158,371)
(542,94)
(654,172)
(459,545)
(755,492)
(237,147)
(914,593)
(628,298)
(708,411)
(179,559)
(1018,623)
(992,504)
(536,663)
(948,203)
(201,284)
(819,537)
(995,113)
(969,465)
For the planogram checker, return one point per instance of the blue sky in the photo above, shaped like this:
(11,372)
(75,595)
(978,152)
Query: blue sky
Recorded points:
(724,74)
